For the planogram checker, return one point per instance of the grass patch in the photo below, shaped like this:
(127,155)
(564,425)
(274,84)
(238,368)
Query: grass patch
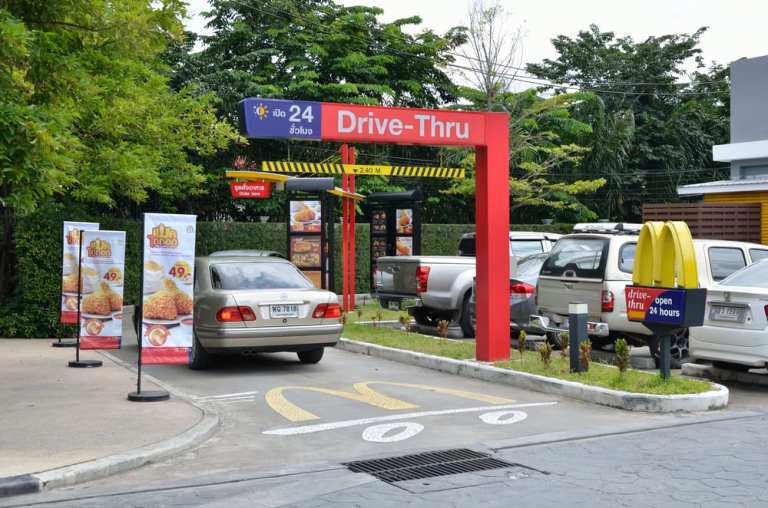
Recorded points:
(598,375)
(371,311)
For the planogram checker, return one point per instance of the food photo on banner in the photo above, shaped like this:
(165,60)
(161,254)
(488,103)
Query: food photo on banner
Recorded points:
(167,287)
(101,304)
(305,216)
(70,269)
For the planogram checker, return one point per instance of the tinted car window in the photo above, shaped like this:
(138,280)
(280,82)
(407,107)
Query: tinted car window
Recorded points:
(530,265)
(627,257)
(257,276)
(755,275)
(526,247)
(723,261)
(467,246)
(585,257)
(758,254)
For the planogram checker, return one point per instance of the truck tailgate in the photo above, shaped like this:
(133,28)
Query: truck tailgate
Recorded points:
(555,293)
(397,275)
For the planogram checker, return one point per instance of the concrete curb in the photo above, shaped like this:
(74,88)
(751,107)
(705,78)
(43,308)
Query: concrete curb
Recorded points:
(717,374)
(65,476)
(715,399)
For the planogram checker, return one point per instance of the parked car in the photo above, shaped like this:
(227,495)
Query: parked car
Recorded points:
(522,294)
(440,287)
(594,268)
(260,304)
(735,331)
(246,252)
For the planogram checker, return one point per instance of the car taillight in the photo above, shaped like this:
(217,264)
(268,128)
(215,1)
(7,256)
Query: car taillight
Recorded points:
(521,288)
(422,277)
(607,301)
(327,310)
(235,314)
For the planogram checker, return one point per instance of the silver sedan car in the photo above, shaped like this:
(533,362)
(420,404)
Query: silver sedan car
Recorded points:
(249,304)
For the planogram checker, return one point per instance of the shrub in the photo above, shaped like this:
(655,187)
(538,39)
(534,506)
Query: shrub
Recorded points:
(442,328)
(585,350)
(622,350)
(521,344)
(564,338)
(545,353)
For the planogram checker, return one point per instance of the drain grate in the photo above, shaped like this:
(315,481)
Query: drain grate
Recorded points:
(427,465)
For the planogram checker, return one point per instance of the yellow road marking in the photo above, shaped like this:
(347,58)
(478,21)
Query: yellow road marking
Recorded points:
(276,399)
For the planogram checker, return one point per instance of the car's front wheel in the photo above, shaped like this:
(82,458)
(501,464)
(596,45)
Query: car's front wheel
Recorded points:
(311,356)
(678,348)
(200,358)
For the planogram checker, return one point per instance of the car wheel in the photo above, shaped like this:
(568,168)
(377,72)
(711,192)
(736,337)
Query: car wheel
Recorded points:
(465,320)
(678,348)
(311,356)
(200,358)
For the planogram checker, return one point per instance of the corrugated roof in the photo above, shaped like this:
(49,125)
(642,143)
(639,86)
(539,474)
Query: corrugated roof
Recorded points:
(723,186)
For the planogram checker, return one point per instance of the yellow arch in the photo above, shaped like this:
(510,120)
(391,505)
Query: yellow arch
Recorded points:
(276,399)
(677,266)
(647,254)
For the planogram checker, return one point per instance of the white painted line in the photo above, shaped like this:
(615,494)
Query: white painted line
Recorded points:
(224,396)
(307,429)
(377,433)
(233,401)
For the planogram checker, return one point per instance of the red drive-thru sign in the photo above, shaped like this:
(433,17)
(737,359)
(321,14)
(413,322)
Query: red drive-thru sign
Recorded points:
(250,190)
(346,122)
(488,133)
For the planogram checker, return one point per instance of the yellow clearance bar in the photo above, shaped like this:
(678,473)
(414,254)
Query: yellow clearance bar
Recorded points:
(256,175)
(360,169)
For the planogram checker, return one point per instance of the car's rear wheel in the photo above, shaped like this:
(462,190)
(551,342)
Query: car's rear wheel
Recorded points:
(311,356)
(200,358)
(465,320)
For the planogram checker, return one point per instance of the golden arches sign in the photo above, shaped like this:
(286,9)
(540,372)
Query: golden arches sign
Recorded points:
(276,399)
(665,256)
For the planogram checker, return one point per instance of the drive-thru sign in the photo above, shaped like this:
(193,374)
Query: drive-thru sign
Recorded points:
(487,132)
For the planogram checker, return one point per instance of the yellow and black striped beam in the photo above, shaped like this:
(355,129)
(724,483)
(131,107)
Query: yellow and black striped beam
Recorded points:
(359,169)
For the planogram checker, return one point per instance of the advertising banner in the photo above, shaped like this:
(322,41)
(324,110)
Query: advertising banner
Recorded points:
(101,304)
(167,285)
(306,217)
(69,268)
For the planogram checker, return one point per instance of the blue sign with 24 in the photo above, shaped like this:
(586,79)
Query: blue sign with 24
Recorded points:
(278,118)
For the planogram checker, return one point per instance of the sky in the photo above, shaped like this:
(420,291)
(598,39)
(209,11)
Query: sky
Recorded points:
(737,28)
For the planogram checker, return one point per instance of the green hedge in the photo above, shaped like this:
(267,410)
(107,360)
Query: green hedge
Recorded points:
(33,310)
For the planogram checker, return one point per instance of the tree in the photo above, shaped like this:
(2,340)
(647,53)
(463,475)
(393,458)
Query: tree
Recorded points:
(86,113)
(314,50)
(655,132)
(543,136)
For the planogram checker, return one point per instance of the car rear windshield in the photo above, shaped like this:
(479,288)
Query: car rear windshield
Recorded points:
(577,257)
(755,276)
(519,247)
(530,265)
(246,275)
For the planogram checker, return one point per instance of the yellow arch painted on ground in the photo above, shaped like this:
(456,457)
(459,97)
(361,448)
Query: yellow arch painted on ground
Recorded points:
(276,399)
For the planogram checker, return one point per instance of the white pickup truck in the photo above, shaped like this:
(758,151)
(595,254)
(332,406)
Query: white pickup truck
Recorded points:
(435,288)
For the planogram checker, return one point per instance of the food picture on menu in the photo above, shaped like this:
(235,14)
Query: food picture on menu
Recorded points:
(379,221)
(405,221)
(379,248)
(305,251)
(305,216)
(404,245)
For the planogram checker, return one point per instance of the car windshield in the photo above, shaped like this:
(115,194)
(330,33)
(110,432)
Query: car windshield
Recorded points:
(526,247)
(755,276)
(244,275)
(577,257)
(530,265)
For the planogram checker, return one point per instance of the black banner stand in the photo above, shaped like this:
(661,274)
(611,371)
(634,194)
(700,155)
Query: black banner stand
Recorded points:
(59,342)
(146,395)
(78,363)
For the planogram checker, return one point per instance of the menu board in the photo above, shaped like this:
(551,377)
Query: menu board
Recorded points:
(404,222)
(316,276)
(306,251)
(101,304)
(378,248)
(167,284)
(305,217)
(70,268)
(404,246)
(379,222)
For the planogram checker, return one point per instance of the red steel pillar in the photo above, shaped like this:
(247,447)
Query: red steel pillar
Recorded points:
(352,265)
(492,241)
(345,234)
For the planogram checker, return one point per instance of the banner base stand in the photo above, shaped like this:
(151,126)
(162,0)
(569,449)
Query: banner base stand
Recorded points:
(149,396)
(65,343)
(85,364)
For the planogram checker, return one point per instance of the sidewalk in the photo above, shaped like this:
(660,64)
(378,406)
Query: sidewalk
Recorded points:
(54,416)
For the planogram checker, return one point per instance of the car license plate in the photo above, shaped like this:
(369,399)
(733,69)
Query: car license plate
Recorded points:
(393,305)
(727,313)
(284,310)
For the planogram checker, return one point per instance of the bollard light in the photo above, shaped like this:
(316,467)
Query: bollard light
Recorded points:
(577,332)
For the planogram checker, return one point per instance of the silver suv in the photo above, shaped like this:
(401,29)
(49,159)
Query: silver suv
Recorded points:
(594,268)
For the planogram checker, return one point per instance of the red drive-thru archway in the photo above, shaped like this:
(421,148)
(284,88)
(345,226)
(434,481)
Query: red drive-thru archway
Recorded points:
(486,132)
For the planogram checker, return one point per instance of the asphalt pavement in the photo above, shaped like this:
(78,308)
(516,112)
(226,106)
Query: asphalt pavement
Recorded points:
(288,427)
